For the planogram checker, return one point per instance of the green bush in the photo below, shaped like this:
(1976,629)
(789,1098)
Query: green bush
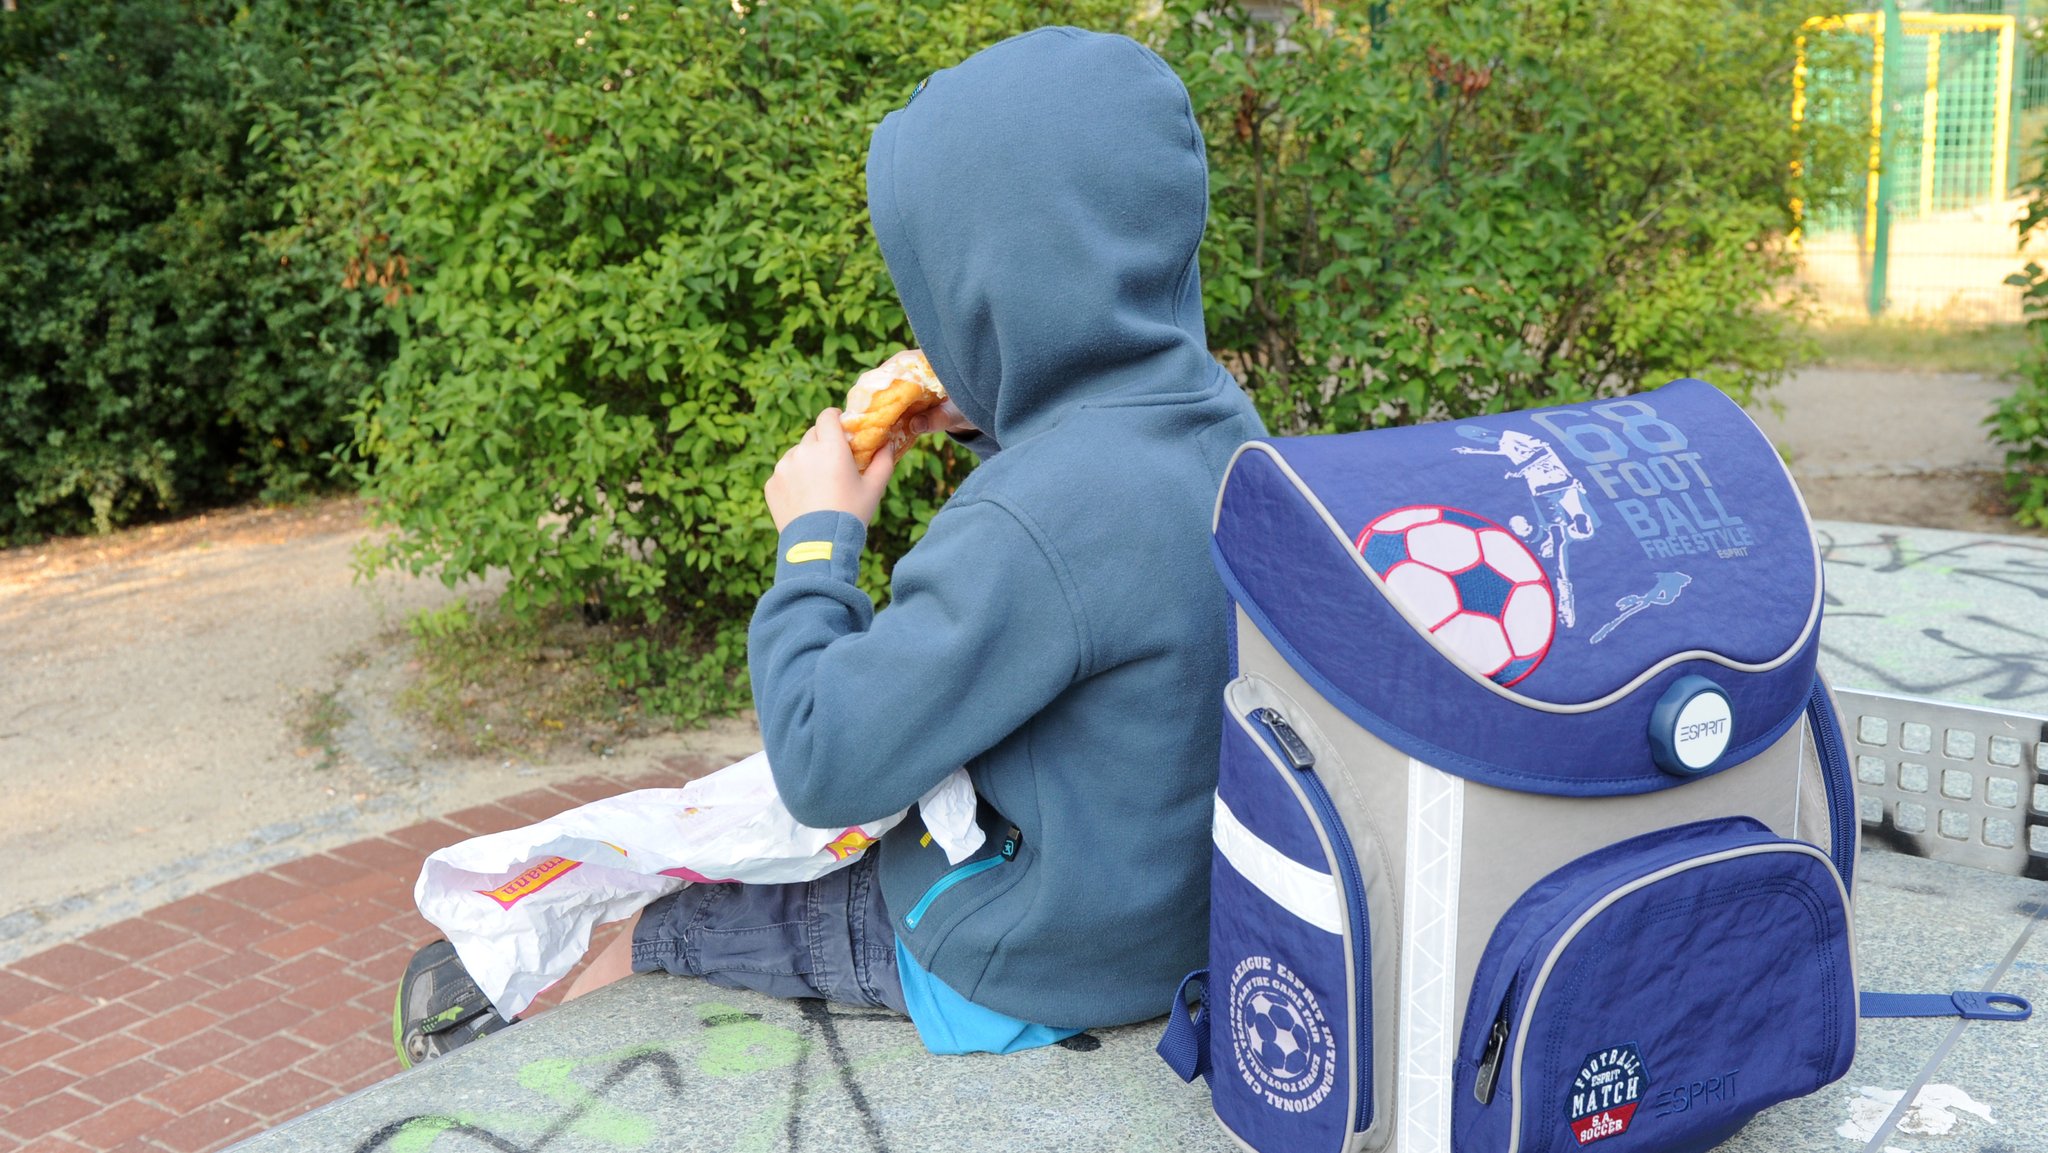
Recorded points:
(629,251)
(632,248)
(152,354)
(1484,206)
(2020,422)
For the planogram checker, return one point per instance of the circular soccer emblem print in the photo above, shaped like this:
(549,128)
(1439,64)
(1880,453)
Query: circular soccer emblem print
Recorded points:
(1285,1050)
(1473,584)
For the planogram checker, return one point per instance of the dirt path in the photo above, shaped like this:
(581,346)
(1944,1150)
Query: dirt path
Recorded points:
(153,687)
(152,683)
(1893,448)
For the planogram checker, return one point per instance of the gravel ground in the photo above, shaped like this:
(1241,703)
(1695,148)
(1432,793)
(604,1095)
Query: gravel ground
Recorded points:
(1893,448)
(153,707)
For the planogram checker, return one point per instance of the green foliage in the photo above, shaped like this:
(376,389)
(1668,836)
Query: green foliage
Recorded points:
(492,682)
(151,354)
(631,250)
(2020,422)
(1483,206)
(450,620)
(627,252)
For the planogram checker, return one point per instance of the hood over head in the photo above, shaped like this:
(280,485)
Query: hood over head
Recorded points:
(1040,207)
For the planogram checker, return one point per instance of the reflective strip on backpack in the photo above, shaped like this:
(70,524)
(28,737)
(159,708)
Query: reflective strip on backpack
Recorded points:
(1429,959)
(1302,891)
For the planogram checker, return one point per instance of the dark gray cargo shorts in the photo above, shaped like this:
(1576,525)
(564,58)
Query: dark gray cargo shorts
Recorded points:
(827,938)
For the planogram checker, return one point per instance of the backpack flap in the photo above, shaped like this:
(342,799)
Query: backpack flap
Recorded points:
(1591,600)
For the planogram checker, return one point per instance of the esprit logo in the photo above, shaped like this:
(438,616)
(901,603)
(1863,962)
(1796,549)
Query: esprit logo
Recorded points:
(1700,733)
(1692,1094)
(1713,728)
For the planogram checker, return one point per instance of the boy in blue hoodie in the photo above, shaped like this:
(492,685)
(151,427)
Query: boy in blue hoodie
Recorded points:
(1059,629)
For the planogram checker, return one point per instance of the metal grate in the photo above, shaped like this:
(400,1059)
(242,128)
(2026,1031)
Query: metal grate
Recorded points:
(1950,782)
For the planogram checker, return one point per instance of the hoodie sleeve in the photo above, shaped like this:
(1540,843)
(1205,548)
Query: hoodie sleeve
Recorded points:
(863,712)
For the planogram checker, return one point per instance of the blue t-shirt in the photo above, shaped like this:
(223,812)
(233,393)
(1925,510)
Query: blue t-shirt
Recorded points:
(950,1023)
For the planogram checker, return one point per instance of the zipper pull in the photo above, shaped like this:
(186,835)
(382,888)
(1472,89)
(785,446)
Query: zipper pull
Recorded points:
(1291,745)
(1011,840)
(1496,1048)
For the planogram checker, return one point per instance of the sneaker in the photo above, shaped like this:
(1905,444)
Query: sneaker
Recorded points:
(439,1007)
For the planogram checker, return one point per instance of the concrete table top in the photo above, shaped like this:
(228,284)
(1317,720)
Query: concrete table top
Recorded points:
(1953,616)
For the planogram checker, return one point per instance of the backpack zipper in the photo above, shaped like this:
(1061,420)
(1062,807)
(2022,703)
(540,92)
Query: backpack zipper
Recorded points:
(1496,1048)
(1296,753)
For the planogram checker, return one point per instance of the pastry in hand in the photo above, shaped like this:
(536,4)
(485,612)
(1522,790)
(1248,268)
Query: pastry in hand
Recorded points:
(882,402)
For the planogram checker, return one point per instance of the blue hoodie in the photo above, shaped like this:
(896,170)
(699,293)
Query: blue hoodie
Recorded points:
(1059,628)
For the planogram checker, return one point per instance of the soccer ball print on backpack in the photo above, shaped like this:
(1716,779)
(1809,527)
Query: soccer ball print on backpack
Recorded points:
(1478,589)
(1534,828)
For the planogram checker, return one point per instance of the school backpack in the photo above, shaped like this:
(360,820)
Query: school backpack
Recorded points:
(1534,828)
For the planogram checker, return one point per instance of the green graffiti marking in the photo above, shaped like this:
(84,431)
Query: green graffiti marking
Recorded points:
(737,1043)
(554,1078)
(559,1097)
(419,1133)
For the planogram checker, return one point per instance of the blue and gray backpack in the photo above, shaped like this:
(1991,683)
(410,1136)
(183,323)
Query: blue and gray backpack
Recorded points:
(1535,828)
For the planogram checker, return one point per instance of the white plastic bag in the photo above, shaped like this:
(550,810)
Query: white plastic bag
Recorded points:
(519,905)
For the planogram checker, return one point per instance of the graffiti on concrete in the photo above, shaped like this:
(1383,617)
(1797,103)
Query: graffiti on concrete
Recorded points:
(588,1114)
(2019,563)
(591,1096)
(1965,618)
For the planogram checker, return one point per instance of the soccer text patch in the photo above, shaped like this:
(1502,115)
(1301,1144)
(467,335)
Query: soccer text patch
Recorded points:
(1285,1049)
(1605,1093)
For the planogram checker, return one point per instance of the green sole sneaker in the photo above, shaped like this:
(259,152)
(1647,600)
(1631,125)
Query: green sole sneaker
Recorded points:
(439,1007)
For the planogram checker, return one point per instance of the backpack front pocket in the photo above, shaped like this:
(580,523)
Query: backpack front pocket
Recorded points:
(1659,993)
(1290,981)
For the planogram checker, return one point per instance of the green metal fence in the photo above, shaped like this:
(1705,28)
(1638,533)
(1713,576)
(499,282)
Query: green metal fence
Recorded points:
(1929,232)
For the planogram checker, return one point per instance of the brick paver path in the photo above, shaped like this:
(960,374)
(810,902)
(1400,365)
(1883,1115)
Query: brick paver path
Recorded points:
(220,1015)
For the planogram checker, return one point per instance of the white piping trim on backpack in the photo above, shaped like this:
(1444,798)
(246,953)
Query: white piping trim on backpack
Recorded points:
(1528,1017)
(1799,788)
(1308,894)
(1429,959)
(1422,630)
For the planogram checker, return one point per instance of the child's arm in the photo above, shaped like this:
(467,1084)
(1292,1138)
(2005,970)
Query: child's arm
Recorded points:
(862,713)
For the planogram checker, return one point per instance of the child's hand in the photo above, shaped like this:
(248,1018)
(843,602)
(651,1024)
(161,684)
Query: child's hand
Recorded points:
(819,474)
